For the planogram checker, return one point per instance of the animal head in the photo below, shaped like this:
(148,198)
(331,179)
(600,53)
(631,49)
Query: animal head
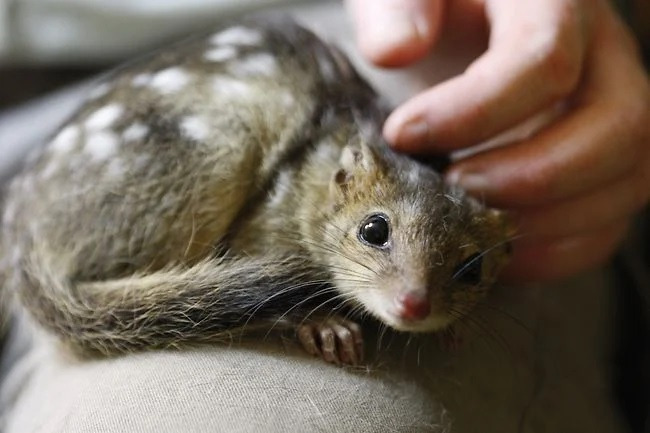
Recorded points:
(413,252)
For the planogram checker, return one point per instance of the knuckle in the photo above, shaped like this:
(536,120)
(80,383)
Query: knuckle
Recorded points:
(536,182)
(558,66)
(558,53)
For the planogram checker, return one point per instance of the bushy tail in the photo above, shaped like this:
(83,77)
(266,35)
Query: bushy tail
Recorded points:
(172,306)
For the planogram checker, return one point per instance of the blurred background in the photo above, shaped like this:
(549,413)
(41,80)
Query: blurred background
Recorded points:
(46,44)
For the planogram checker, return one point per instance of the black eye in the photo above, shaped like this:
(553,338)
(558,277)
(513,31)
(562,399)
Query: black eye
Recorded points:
(375,230)
(469,272)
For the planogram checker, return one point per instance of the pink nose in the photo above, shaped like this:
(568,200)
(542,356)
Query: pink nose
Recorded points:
(413,306)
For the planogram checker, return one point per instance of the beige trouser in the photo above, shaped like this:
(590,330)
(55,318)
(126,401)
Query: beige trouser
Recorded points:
(545,371)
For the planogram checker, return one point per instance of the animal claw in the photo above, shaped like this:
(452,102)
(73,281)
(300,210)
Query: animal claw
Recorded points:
(336,340)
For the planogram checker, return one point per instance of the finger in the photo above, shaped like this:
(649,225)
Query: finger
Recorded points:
(605,137)
(588,149)
(534,59)
(601,207)
(396,32)
(562,257)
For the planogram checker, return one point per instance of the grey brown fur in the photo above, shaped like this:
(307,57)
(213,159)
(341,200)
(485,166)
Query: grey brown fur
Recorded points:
(221,183)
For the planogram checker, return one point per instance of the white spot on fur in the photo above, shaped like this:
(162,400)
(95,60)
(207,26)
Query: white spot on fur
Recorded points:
(238,35)
(104,117)
(287,99)
(50,169)
(115,169)
(195,128)
(414,176)
(327,151)
(141,80)
(101,145)
(168,201)
(282,188)
(327,69)
(255,64)
(232,88)
(220,54)
(66,139)
(170,80)
(99,90)
(135,132)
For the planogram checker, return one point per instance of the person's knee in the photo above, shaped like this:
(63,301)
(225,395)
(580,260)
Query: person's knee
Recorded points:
(222,389)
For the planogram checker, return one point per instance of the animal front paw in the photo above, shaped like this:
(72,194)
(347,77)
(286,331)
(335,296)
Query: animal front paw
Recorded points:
(336,340)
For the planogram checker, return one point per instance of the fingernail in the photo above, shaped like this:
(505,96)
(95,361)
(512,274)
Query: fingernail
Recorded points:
(394,27)
(471,182)
(415,131)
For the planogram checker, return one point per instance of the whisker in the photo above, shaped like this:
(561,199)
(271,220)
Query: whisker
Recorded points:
(383,328)
(506,314)
(316,308)
(334,298)
(252,311)
(481,255)
(485,330)
(340,252)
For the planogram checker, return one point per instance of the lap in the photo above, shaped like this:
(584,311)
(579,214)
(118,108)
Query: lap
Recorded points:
(244,388)
(545,370)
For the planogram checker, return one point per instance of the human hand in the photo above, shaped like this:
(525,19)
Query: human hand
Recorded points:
(574,185)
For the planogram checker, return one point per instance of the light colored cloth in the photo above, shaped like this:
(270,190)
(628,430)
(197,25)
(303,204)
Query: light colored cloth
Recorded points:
(546,371)
(537,362)
(237,389)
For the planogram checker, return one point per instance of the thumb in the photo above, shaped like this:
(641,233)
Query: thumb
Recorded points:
(396,32)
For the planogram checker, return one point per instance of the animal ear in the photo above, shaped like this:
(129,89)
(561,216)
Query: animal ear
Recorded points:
(358,157)
(355,162)
(340,184)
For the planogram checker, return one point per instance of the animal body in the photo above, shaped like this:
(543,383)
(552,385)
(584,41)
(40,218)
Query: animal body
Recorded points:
(234,180)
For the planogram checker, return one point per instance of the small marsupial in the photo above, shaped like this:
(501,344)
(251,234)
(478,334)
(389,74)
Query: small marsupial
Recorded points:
(239,178)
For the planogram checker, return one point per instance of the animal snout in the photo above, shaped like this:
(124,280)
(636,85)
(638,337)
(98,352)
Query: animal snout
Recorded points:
(413,306)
